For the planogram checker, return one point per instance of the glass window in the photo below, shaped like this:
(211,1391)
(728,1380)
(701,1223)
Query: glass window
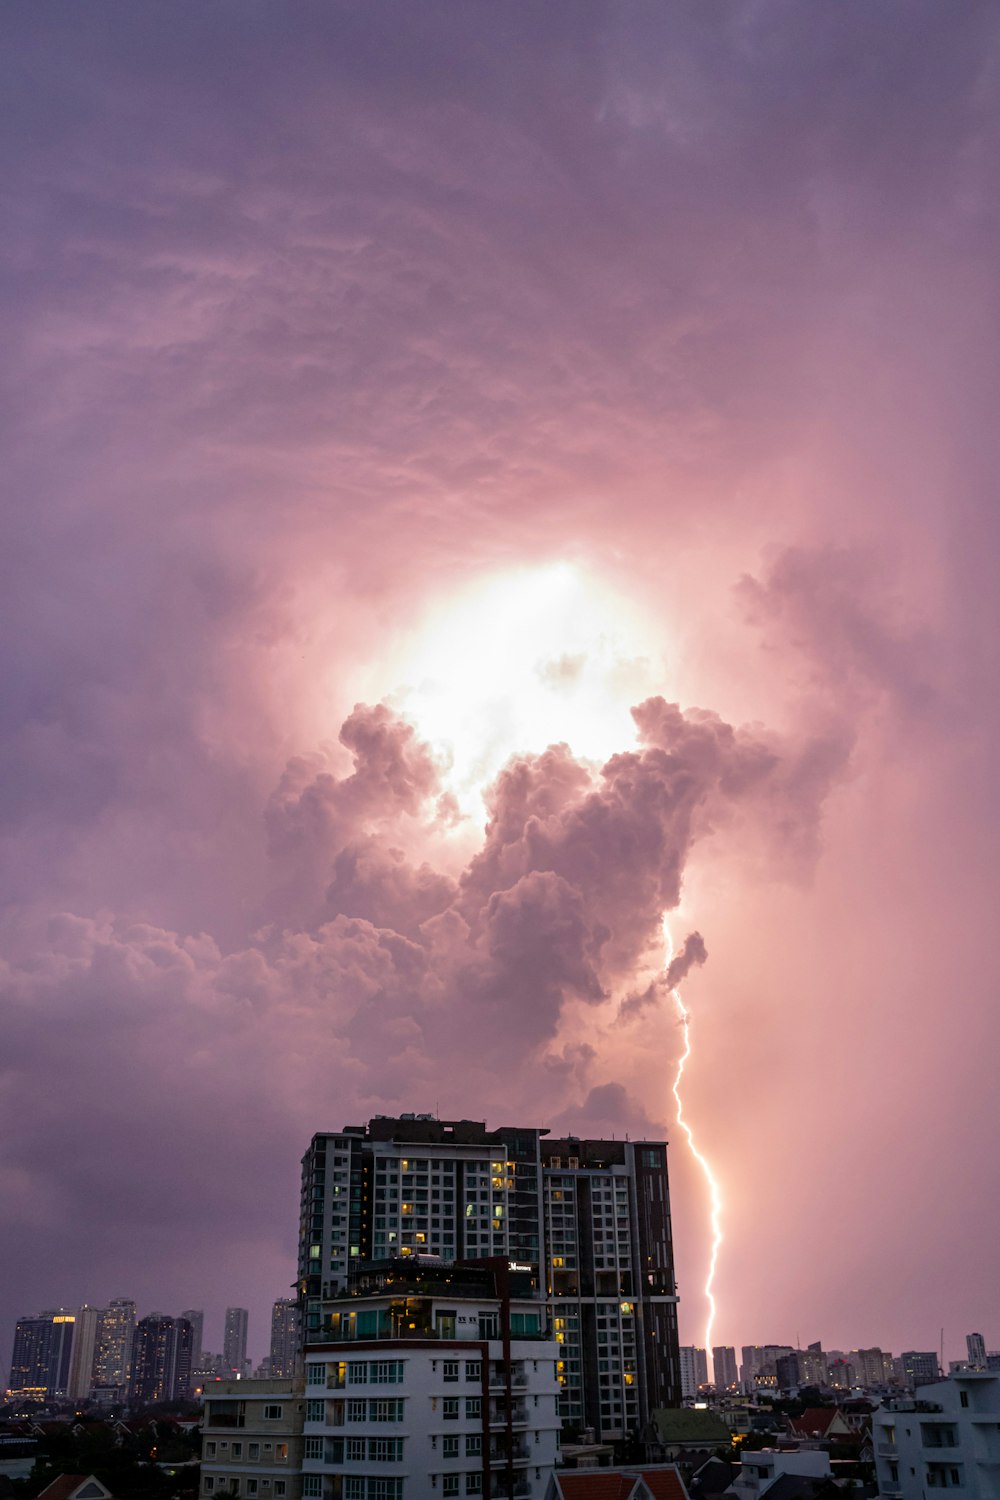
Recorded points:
(473,1444)
(473,1406)
(449,1408)
(272,1413)
(450,1369)
(473,1484)
(316,1375)
(450,1485)
(356,1449)
(312,1484)
(473,1369)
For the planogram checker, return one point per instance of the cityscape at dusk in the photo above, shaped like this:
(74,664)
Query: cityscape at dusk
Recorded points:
(500,720)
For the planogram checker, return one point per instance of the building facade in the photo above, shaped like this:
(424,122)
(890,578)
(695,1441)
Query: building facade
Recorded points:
(161,1360)
(724,1370)
(694,1370)
(251,1442)
(593,1217)
(234,1339)
(284,1355)
(113,1355)
(947,1438)
(43,1348)
(433,1378)
(919,1367)
(196,1317)
(81,1369)
(975,1346)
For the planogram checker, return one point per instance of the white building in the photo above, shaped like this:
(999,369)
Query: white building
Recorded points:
(758,1471)
(694,1370)
(433,1380)
(593,1217)
(947,1438)
(251,1442)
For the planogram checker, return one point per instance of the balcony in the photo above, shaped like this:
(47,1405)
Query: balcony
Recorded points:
(518,1416)
(519,1452)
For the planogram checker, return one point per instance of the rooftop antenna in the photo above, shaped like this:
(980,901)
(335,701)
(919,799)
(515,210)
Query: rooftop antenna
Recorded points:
(941,1358)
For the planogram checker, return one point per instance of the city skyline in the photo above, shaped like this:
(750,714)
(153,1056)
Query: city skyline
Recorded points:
(498,503)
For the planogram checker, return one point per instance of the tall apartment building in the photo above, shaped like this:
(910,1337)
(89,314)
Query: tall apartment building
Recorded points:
(433,1378)
(81,1368)
(919,1367)
(234,1339)
(196,1317)
(872,1367)
(725,1373)
(113,1354)
(759,1369)
(161,1360)
(975,1346)
(694,1370)
(593,1217)
(43,1347)
(284,1338)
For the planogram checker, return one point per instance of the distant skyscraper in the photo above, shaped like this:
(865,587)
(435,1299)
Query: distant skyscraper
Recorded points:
(724,1367)
(976,1347)
(196,1317)
(234,1345)
(161,1359)
(284,1338)
(920,1367)
(694,1370)
(42,1352)
(112,1360)
(81,1369)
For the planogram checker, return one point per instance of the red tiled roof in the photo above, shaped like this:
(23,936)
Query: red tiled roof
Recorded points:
(63,1486)
(815,1419)
(664,1484)
(592,1484)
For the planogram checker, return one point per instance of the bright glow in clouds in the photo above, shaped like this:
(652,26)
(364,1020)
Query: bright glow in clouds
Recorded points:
(715,1198)
(522,660)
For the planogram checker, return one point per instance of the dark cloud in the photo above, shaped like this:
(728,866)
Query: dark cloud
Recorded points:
(306,324)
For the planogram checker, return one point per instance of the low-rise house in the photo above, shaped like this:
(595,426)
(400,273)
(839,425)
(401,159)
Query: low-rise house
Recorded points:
(76,1487)
(683,1433)
(780,1475)
(252,1440)
(947,1439)
(625,1483)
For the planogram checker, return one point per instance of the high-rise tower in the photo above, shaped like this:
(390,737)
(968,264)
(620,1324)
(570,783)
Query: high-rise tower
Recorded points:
(285,1360)
(43,1348)
(592,1218)
(234,1342)
(113,1355)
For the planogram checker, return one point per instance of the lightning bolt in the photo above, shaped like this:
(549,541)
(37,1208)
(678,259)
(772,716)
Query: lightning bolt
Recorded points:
(714,1195)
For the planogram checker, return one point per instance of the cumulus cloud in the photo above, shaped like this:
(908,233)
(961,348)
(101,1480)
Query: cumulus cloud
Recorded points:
(377,309)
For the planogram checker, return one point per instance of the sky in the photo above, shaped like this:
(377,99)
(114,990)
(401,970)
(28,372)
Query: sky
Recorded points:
(478,480)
